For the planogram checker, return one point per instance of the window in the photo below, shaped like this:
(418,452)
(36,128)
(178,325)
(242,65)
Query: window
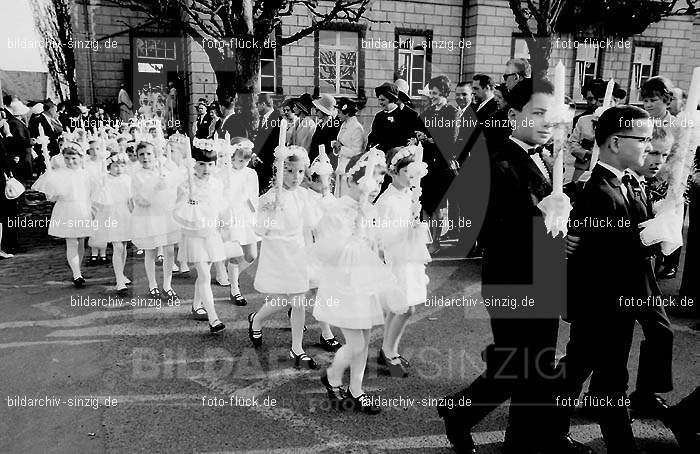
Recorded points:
(520,49)
(162,49)
(644,65)
(587,63)
(268,62)
(411,64)
(338,62)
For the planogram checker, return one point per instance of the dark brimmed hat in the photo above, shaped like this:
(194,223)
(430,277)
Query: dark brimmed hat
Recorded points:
(304,103)
(388,90)
(347,106)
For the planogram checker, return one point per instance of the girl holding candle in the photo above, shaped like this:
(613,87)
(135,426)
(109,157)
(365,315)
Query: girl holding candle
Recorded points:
(200,201)
(154,190)
(403,240)
(352,278)
(71,216)
(114,220)
(241,189)
(285,210)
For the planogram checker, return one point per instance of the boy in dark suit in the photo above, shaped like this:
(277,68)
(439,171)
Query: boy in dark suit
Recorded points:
(521,261)
(609,275)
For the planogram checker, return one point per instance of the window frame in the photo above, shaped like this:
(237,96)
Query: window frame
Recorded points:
(634,95)
(427,35)
(575,82)
(360,29)
(277,64)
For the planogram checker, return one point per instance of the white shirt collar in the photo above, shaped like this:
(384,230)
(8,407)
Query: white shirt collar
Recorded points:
(390,111)
(618,173)
(483,104)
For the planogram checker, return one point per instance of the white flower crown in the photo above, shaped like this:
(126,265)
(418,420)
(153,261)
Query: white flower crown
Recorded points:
(282,153)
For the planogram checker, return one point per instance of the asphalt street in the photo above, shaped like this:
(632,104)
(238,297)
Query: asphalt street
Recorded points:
(134,378)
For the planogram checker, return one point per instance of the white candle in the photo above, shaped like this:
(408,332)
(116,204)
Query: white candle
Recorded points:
(559,87)
(691,104)
(41,131)
(608,93)
(419,153)
(283,133)
(560,108)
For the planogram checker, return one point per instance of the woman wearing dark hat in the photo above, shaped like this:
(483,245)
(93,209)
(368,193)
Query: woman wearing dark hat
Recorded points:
(305,126)
(438,136)
(327,127)
(389,129)
(351,138)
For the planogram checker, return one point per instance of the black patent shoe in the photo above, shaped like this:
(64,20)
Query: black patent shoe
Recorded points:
(238,299)
(217,327)
(255,336)
(199,314)
(154,293)
(79,282)
(362,403)
(172,297)
(303,360)
(667,273)
(381,359)
(647,405)
(330,345)
(93,261)
(458,435)
(335,393)
(396,369)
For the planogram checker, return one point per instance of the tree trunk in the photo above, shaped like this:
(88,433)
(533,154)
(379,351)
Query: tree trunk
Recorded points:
(540,51)
(237,76)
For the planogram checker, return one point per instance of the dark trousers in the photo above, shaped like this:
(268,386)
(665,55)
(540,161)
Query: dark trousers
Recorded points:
(599,346)
(654,374)
(8,218)
(519,367)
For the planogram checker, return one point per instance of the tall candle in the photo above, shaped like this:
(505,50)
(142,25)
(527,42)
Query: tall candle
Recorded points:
(608,93)
(41,131)
(691,103)
(283,133)
(419,153)
(560,108)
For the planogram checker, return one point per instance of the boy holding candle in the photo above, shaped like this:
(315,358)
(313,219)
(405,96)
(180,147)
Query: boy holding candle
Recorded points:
(519,363)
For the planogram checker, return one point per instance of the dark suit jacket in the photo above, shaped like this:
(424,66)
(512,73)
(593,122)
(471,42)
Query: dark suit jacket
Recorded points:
(489,109)
(234,126)
(611,261)
(266,139)
(202,127)
(520,258)
(52,129)
(467,133)
(19,144)
(324,135)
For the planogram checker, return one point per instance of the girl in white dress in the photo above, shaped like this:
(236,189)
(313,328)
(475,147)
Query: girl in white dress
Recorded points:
(200,201)
(71,217)
(154,190)
(285,210)
(241,189)
(94,165)
(353,278)
(403,242)
(114,220)
(318,185)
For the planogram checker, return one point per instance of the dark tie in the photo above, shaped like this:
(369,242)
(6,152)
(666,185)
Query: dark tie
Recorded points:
(260,123)
(636,188)
(535,150)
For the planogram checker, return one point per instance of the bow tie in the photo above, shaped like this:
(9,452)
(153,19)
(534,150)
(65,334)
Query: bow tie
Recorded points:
(535,150)
(630,180)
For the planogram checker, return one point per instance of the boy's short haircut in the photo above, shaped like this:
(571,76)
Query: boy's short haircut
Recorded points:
(618,119)
(523,91)
(661,139)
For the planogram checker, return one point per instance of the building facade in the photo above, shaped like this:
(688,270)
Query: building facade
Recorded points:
(411,39)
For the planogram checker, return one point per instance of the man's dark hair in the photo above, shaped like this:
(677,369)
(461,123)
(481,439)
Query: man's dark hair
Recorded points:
(48,104)
(7,100)
(521,93)
(227,104)
(596,86)
(618,119)
(484,80)
(265,98)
